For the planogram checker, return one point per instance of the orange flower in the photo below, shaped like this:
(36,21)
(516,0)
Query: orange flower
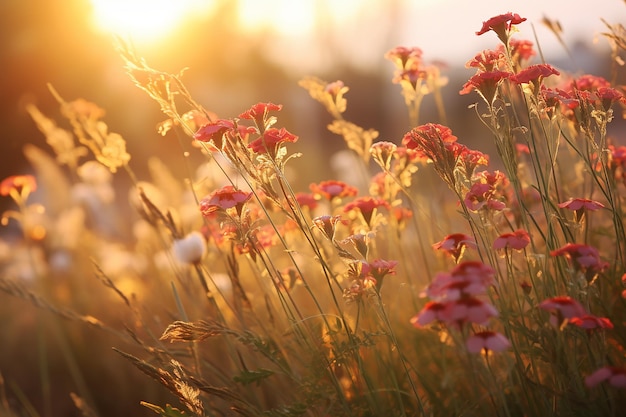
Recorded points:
(18,187)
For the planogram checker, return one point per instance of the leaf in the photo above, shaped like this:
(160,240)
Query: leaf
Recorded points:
(247,377)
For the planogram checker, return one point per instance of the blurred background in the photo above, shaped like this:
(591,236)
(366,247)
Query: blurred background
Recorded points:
(239,52)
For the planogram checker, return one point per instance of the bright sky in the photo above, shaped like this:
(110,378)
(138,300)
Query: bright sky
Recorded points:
(311,35)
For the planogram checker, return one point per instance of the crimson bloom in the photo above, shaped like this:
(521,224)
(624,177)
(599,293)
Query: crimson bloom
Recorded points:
(214,132)
(613,375)
(268,143)
(517,240)
(259,113)
(501,25)
(486,84)
(563,309)
(534,74)
(486,341)
(455,245)
(225,198)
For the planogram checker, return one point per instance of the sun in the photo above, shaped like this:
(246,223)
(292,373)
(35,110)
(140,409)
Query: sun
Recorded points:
(145,21)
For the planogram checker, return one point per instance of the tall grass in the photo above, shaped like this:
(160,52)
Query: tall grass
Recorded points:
(500,295)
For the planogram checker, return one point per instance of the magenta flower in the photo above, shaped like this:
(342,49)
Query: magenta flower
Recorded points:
(455,245)
(486,341)
(517,240)
(615,376)
(225,198)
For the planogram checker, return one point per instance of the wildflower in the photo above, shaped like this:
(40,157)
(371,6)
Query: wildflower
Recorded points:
(214,132)
(482,196)
(517,240)
(563,309)
(589,322)
(468,278)
(486,84)
(469,310)
(588,82)
(580,206)
(18,187)
(326,224)
(470,159)
(270,140)
(367,206)
(534,74)
(333,189)
(379,269)
(190,249)
(402,55)
(607,96)
(432,311)
(615,376)
(521,50)
(486,341)
(259,113)
(455,245)
(583,258)
(306,200)
(382,153)
(225,198)
(486,61)
(501,25)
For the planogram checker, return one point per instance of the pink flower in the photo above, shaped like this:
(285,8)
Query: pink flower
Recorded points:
(583,258)
(401,55)
(333,189)
(517,240)
(615,376)
(469,310)
(487,341)
(589,322)
(306,200)
(223,199)
(432,311)
(486,61)
(564,305)
(455,245)
(270,140)
(580,206)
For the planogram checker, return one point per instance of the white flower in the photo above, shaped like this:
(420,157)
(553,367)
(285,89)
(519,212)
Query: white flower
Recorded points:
(189,249)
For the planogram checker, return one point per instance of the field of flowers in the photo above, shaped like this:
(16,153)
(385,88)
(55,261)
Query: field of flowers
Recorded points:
(444,288)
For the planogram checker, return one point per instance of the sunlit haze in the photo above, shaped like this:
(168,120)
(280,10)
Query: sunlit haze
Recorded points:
(145,21)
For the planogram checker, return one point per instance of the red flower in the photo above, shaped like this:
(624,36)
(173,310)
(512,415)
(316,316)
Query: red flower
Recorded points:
(259,113)
(501,25)
(517,240)
(589,322)
(306,200)
(581,205)
(466,279)
(223,199)
(333,189)
(455,245)
(534,74)
(563,309)
(613,375)
(487,341)
(488,60)
(583,258)
(214,132)
(486,84)
(18,186)
(379,269)
(366,205)
(588,82)
(522,49)
(270,140)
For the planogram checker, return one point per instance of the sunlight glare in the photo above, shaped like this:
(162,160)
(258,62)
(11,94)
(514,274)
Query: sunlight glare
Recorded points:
(145,21)
(283,17)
